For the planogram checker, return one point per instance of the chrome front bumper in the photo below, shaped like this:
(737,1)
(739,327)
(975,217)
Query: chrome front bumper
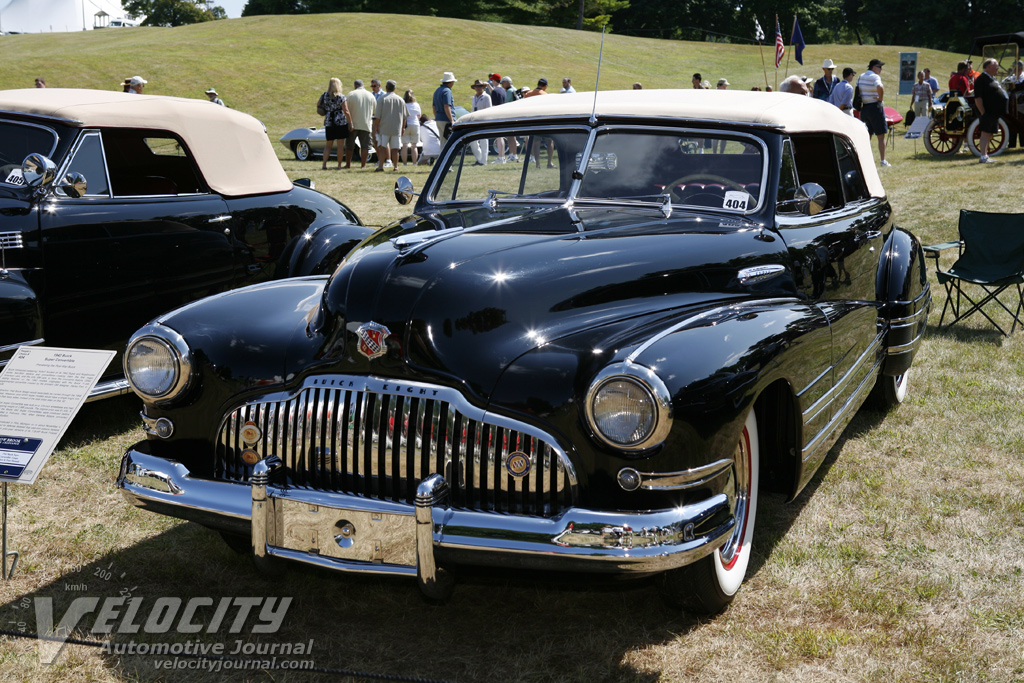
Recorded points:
(353,533)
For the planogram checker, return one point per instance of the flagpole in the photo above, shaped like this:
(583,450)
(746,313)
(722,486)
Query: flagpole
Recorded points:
(764,67)
(792,45)
(776,56)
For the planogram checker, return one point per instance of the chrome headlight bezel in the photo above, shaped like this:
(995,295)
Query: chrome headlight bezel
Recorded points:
(180,357)
(646,380)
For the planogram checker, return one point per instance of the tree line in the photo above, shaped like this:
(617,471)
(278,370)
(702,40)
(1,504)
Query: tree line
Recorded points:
(939,24)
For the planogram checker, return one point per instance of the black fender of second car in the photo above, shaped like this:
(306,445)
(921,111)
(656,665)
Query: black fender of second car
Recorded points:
(903,291)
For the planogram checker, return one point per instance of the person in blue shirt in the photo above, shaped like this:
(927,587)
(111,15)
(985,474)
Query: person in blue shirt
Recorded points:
(443,104)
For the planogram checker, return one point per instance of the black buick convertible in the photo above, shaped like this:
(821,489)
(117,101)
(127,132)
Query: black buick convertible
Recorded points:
(594,360)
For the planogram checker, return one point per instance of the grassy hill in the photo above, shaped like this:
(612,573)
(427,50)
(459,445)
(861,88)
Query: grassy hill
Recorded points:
(275,66)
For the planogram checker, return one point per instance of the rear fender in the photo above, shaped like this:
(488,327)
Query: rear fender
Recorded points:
(20,315)
(318,251)
(902,288)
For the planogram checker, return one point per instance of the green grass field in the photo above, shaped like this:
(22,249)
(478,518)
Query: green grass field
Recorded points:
(901,561)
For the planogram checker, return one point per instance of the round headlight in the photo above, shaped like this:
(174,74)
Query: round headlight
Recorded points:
(157,367)
(629,411)
(624,411)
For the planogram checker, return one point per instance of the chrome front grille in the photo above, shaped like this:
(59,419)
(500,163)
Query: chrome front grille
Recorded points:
(379,438)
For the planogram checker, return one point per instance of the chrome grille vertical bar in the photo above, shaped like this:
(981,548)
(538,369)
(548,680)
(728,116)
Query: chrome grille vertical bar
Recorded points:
(314,431)
(408,452)
(386,448)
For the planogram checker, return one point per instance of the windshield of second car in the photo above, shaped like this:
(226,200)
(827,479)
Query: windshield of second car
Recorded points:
(709,169)
(17,141)
(529,163)
(695,168)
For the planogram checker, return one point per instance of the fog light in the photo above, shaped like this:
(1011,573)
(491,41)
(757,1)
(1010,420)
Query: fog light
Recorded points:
(163,428)
(629,479)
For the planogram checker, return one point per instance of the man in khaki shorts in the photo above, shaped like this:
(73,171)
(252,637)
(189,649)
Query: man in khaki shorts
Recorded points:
(388,126)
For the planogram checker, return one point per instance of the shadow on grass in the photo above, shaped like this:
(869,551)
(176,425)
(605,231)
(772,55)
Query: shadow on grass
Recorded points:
(499,626)
(775,516)
(103,419)
(967,335)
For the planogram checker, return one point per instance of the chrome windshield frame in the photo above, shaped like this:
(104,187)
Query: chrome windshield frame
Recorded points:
(579,175)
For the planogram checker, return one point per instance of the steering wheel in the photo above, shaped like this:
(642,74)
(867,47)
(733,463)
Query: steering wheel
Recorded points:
(706,176)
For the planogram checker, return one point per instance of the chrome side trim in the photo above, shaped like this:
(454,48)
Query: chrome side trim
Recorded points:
(757,274)
(109,389)
(845,412)
(723,312)
(686,479)
(15,347)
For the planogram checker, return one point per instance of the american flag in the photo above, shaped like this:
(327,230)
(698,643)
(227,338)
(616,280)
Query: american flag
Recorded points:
(780,48)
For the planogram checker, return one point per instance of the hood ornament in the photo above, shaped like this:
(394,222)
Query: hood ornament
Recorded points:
(372,338)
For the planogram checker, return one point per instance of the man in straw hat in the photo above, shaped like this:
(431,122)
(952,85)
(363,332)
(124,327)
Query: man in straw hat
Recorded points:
(824,85)
(212,94)
(444,103)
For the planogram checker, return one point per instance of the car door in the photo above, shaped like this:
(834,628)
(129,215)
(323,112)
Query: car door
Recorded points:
(147,237)
(835,255)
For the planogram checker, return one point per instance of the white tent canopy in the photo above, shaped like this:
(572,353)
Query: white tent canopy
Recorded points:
(44,16)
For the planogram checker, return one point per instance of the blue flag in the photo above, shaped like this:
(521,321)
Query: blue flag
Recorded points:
(798,41)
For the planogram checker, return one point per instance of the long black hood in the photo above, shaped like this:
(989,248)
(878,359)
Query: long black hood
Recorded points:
(472,290)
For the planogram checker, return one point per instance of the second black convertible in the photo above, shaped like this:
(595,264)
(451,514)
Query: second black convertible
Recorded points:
(593,361)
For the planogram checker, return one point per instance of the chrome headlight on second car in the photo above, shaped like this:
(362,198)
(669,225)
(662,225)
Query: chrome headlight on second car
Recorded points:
(628,407)
(157,363)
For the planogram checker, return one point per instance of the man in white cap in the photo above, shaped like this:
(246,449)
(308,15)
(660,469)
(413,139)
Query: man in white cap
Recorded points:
(824,85)
(444,102)
(212,94)
(136,84)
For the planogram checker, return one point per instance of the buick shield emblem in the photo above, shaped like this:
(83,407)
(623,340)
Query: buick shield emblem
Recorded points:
(372,338)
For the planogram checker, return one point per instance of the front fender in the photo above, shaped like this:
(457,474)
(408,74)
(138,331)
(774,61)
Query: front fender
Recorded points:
(904,293)
(713,363)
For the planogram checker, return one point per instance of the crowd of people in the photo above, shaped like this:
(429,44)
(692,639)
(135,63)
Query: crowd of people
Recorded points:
(397,127)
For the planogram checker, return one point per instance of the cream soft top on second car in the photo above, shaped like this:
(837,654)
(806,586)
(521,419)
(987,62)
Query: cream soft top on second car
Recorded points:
(787,112)
(231,148)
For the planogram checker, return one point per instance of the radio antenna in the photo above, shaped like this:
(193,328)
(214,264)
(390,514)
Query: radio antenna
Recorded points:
(597,83)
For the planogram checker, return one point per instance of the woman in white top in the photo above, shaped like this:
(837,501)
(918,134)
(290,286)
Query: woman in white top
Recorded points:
(412,128)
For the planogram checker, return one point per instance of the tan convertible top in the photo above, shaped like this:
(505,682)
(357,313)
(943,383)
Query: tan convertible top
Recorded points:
(232,149)
(791,113)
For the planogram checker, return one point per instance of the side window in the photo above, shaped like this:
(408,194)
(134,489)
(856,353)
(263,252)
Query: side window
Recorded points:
(145,163)
(849,169)
(815,158)
(88,161)
(788,180)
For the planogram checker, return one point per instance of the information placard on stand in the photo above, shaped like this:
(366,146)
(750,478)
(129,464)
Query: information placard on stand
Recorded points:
(41,391)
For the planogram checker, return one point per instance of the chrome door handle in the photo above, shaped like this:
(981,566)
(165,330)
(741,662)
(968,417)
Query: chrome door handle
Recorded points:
(220,219)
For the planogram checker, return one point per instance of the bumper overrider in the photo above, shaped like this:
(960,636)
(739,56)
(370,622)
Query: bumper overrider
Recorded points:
(356,534)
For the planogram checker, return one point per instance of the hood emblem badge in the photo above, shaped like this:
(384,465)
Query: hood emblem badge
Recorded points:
(372,338)
(518,464)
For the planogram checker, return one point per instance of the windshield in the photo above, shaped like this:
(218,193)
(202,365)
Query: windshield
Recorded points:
(708,169)
(17,141)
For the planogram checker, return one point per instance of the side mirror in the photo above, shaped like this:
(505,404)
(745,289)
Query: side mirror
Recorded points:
(74,185)
(810,198)
(38,170)
(403,190)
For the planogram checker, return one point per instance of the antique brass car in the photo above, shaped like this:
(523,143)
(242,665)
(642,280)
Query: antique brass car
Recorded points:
(955,120)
